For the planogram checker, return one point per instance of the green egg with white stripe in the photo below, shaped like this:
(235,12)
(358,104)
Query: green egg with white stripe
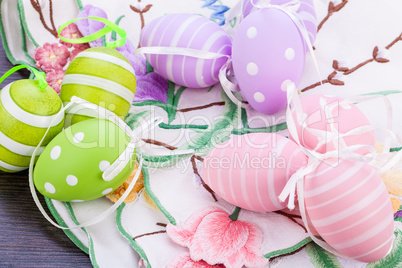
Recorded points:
(26,112)
(102,76)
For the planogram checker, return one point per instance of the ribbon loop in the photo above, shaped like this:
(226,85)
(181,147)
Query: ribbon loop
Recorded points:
(110,26)
(41,76)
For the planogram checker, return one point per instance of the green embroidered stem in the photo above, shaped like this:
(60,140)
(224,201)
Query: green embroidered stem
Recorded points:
(117,23)
(110,26)
(39,75)
(235,214)
(395,149)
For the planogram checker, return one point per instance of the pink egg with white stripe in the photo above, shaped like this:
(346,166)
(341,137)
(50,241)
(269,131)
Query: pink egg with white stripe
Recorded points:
(305,11)
(268,54)
(187,31)
(349,206)
(251,170)
(319,110)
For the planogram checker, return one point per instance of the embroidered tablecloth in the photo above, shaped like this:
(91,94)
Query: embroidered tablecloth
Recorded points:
(358,50)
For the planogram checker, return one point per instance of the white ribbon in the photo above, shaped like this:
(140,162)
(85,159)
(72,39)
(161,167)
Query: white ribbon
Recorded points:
(114,169)
(382,162)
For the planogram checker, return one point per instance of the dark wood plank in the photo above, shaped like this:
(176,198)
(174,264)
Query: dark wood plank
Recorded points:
(26,238)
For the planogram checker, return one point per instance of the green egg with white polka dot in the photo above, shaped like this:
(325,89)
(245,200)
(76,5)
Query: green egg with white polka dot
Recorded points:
(26,112)
(71,166)
(100,75)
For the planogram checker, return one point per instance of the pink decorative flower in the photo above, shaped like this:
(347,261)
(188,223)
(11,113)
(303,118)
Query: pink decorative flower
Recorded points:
(213,237)
(54,79)
(78,49)
(51,57)
(70,32)
(185,261)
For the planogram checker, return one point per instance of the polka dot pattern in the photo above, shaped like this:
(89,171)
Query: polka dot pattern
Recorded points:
(252,68)
(55,153)
(103,165)
(290,54)
(252,32)
(108,190)
(50,188)
(284,85)
(259,97)
(78,137)
(72,180)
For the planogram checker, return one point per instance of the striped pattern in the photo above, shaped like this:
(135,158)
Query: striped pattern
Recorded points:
(350,208)
(102,76)
(251,170)
(21,128)
(306,13)
(186,31)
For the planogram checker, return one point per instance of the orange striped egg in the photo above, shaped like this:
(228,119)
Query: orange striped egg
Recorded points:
(350,208)
(187,31)
(251,170)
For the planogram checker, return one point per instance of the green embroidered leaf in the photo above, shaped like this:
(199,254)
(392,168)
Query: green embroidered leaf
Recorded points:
(117,23)
(151,103)
(233,22)
(133,120)
(321,258)
(394,259)
(167,126)
(150,69)
(154,198)
(270,129)
(173,101)
(218,131)
(384,93)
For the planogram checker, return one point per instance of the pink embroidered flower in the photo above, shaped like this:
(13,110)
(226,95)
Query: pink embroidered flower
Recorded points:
(54,79)
(70,32)
(78,49)
(51,57)
(185,261)
(213,237)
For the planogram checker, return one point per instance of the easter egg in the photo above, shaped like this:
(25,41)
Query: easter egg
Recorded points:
(344,117)
(268,54)
(251,170)
(186,31)
(304,10)
(71,166)
(102,76)
(349,206)
(26,112)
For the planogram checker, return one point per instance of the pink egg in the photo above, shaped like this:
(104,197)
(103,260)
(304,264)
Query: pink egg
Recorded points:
(186,31)
(350,208)
(305,12)
(251,170)
(268,54)
(345,118)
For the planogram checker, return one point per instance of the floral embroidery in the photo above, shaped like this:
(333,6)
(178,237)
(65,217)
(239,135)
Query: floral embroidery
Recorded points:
(78,49)
(213,237)
(87,27)
(150,86)
(51,57)
(54,78)
(393,182)
(70,32)
(185,261)
(141,8)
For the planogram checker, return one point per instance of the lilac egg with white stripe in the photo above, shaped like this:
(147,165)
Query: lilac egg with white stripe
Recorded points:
(349,206)
(304,10)
(187,31)
(251,170)
(268,55)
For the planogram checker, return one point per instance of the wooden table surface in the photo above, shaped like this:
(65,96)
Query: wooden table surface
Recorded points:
(27,239)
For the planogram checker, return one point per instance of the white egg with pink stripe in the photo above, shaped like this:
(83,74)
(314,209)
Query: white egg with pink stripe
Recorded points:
(192,32)
(349,206)
(251,170)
